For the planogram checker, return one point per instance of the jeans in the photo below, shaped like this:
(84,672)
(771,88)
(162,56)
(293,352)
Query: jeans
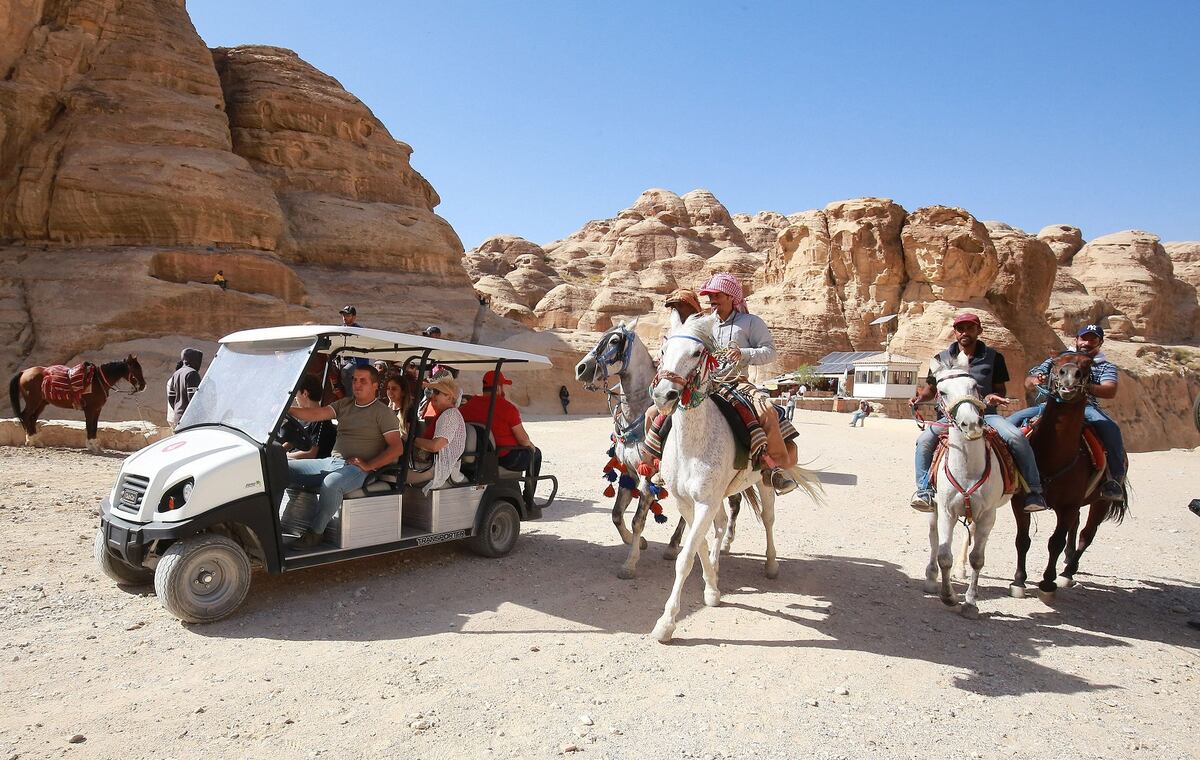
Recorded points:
(332,478)
(1107,430)
(1016,442)
(856,418)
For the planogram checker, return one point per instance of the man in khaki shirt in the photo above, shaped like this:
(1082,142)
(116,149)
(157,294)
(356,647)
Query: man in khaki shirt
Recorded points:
(368,437)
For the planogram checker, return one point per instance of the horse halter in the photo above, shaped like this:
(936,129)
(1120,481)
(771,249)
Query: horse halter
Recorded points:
(952,409)
(1068,393)
(694,385)
(618,351)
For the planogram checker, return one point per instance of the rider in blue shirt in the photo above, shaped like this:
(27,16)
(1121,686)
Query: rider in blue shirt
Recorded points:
(1104,385)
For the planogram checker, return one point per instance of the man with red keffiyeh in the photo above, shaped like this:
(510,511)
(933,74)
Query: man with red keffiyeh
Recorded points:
(745,339)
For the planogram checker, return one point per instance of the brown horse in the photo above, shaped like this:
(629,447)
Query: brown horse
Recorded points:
(1069,479)
(29,384)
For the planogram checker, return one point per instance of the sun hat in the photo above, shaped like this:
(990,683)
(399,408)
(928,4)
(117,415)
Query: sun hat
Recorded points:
(446,384)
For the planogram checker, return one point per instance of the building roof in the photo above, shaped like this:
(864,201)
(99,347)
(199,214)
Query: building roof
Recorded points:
(886,358)
(840,362)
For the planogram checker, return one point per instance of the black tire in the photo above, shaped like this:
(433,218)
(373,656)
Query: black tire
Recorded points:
(116,568)
(203,578)
(498,532)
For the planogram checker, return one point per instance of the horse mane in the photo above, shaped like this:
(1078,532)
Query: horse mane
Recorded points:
(700,327)
(111,369)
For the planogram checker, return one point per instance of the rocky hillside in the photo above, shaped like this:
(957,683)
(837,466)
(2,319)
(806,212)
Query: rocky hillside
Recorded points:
(820,277)
(135,163)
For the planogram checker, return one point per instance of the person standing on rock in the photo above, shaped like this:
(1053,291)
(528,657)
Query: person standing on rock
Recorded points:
(744,339)
(986,365)
(183,384)
(220,281)
(1103,385)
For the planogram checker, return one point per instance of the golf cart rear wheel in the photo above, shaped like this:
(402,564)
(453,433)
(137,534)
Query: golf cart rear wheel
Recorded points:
(203,578)
(118,569)
(498,532)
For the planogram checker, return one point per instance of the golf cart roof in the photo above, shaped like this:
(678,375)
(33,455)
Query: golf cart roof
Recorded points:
(392,346)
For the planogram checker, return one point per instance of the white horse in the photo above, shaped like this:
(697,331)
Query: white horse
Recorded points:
(698,461)
(620,353)
(970,485)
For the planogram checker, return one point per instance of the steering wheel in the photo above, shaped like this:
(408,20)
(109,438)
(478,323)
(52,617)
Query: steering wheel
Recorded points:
(293,433)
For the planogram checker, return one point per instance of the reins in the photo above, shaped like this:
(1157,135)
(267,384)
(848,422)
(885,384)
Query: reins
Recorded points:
(695,384)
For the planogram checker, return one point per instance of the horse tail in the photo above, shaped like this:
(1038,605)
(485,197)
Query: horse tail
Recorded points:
(810,482)
(751,495)
(14,393)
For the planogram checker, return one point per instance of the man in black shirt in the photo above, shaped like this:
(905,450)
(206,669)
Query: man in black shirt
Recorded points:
(986,365)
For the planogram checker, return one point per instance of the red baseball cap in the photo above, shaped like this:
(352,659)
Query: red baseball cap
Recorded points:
(967,316)
(489,378)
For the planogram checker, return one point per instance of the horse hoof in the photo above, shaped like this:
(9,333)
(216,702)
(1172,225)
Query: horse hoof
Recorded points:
(932,587)
(662,633)
(712,598)
(671,553)
(1047,597)
(1069,582)
(969,611)
(950,601)
(772,570)
(1016,592)
(626,574)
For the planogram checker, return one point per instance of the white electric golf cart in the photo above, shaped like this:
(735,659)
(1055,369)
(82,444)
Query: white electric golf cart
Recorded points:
(195,511)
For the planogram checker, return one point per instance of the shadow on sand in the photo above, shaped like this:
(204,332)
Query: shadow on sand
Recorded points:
(841,603)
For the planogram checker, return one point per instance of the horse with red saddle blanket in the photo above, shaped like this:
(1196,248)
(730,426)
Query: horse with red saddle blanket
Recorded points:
(1072,465)
(85,386)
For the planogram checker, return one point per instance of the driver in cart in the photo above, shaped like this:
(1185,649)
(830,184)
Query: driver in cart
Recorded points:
(368,437)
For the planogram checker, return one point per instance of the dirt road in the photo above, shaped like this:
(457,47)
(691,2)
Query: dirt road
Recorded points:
(438,653)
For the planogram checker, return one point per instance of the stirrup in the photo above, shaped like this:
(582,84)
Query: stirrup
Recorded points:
(922,500)
(782,482)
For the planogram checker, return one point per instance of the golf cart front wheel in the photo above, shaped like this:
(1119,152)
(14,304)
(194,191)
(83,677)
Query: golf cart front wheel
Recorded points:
(203,578)
(498,532)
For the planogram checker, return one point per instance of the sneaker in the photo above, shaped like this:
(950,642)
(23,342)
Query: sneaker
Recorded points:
(922,500)
(1034,502)
(782,482)
(1111,491)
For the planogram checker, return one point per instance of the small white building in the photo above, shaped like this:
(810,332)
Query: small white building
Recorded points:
(885,375)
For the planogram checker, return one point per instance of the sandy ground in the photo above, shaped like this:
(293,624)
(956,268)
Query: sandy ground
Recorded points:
(439,653)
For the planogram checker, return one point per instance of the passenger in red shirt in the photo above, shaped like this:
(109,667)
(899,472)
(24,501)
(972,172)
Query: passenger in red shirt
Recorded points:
(513,447)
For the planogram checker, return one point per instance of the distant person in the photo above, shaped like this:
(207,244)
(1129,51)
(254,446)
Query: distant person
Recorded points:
(183,384)
(220,281)
(349,316)
(789,405)
(860,414)
(803,390)
(564,397)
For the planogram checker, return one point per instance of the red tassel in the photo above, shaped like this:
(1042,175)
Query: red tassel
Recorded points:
(636,494)
(645,470)
(655,507)
(621,469)
(610,491)
(613,464)
(662,493)
(657,464)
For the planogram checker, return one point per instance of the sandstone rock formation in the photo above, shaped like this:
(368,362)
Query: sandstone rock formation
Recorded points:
(135,163)
(820,278)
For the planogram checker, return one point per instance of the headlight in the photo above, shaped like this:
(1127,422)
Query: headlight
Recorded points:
(176,496)
(187,491)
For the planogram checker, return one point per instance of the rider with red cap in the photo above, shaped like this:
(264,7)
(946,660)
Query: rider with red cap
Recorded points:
(745,340)
(986,365)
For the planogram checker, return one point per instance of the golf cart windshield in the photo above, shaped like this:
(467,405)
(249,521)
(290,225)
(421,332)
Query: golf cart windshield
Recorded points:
(248,385)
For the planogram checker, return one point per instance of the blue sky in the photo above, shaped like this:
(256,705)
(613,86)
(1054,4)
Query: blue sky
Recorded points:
(532,118)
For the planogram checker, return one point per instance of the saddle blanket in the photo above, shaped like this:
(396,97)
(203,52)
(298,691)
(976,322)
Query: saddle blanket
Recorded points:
(1000,451)
(1095,448)
(739,412)
(68,385)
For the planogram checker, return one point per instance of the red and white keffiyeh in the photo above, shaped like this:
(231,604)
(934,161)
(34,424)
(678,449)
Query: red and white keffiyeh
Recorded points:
(724,282)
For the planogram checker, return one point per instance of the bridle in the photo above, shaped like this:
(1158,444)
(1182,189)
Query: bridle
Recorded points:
(952,409)
(1067,394)
(693,386)
(611,355)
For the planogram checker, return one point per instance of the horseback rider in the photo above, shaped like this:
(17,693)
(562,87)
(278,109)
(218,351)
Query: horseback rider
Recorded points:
(1103,385)
(986,365)
(743,339)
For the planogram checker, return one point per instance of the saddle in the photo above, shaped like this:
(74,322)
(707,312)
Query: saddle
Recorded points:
(68,385)
(738,411)
(1095,448)
(1008,468)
